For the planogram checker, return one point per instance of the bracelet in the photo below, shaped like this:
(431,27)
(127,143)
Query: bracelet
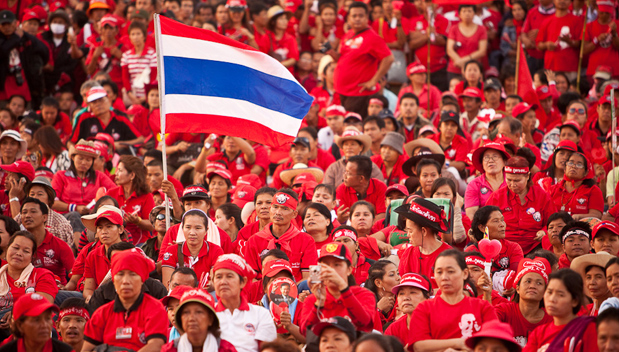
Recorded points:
(14,199)
(72,207)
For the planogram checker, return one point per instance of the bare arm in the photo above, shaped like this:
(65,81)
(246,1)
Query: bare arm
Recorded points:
(248,151)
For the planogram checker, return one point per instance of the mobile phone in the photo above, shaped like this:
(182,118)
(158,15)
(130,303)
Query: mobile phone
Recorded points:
(314,277)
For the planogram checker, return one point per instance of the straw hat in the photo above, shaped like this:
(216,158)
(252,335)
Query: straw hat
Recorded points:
(423,142)
(353,134)
(288,175)
(90,219)
(579,264)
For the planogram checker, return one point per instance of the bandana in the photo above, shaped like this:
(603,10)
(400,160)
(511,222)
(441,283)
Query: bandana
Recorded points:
(284,199)
(80,312)
(375,101)
(516,170)
(538,265)
(475,260)
(428,214)
(235,263)
(576,231)
(345,233)
(135,260)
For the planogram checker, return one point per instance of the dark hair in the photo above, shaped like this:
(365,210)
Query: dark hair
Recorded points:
(381,98)
(442,181)
(186,271)
(611,262)
(155,163)
(264,190)
(464,6)
(11,226)
(514,96)
(139,25)
(359,4)
(380,123)
(75,302)
(27,235)
(136,166)
(103,199)
(541,73)
(381,340)
(479,66)
(277,253)
(608,314)
(47,137)
(328,188)
(542,253)
(324,211)
(118,246)
(409,96)
(198,213)
(155,154)
(455,254)
(50,102)
(363,203)
(428,162)
(527,154)
(42,206)
(575,225)
(279,345)
(563,215)
(587,182)
(364,165)
(564,101)
(311,131)
(231,210)
(522,4)
(468,281)
(255,7)
(583,87)
(481,217)
(376,272)
(573,283)
(111,84)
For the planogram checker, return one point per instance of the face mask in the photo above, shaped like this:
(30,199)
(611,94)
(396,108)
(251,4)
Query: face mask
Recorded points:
(57,28)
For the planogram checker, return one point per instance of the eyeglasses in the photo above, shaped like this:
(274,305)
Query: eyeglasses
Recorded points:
(580,111)
(160,217)
(575,165)
(491,157)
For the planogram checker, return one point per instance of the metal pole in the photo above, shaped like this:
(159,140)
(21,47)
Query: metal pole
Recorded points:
(613,129)
(518,48)
(582,48)
(428,90)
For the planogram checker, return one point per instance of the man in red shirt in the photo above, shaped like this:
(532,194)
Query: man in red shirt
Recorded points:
(559,39)
(52,253)
(299,154)
(359,185)
(530,28)
(238,155)
(454,145)
(364,59)
(471,100)
(409,115)
(282,234)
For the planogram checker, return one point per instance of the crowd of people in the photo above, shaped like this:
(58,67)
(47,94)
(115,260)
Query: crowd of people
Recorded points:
(424,204)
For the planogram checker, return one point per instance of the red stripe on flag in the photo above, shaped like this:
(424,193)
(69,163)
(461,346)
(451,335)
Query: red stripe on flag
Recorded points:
(225,125)
(177,29)
(527,92)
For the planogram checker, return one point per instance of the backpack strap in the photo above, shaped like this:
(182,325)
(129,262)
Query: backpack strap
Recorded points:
(180,255)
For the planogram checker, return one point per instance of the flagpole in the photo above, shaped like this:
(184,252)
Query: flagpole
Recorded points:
(429,91)
(518,48)
(582,47)
(162,110)
(613,131)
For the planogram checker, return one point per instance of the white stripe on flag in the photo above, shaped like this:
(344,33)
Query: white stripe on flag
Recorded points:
(241,109)
(205,50)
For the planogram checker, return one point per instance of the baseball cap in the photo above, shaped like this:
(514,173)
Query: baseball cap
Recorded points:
(339,323)
(218,169)
(523,107)
(603,72)
(353,115)
(605,225)
(274,267)
(197,295)
(301,141)
(336,110)
(605,6)
(114,217)
(472,92)
(428,128)
(7,16)
(177,292)
(495,330)
(96,92)
(413,280)
(109,20)
(243,194)
(543,92)
(249,179)
(335,250)
(492,83)
(97,4)
(450,116)
(29,15)
(141,13)
(415,67)
(398,188)
(20,167)
(236,4)
(195,192)
(32,305)
(607,100)
(571,124)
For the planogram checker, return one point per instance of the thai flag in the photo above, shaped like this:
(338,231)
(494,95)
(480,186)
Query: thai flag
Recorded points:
(213,84)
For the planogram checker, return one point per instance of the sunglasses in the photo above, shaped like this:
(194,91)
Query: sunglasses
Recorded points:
(160,217)
(580,111)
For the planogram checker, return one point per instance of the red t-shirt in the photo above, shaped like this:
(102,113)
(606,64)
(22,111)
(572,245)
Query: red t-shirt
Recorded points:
(565,58)
(54,255)
(103,62)
(438,54)
(172,234)
(397,174)
(390,35)
(468,45)
(460,320)
(523,221)
(324,159)
(360,56)
(73,190)
(543,335)
(113,325)
(40,280)
(286,47)
(510,313)
(97,265)
(375,195)
(136,205)
(458,149)
(324,98)
(534,21)
(237,166)
(579,201)
(400,329)
(201,264)
(604,53)
(263,41)
(413,261)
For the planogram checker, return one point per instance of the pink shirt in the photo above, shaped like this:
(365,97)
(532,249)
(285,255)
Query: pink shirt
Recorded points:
(478,192)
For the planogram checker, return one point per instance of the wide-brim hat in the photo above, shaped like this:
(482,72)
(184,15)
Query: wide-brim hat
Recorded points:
(495,329)
(425,214)
(411,164)
(41,181)
(580,264)
(90,220)
(478,154)
(199,296)
(23,145)
(288,175)
(352,134)
(423,142)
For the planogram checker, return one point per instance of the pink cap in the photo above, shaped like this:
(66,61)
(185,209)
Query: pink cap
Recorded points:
(95,93)
(523,107)
(397,187)
(413,280)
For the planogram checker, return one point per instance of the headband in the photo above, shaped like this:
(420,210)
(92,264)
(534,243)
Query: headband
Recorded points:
(517,170)
(80,312)
(576,231)
(199,210)
(376,101)
(475,260)
(235,263)
(286,200)
(345,233)
(430,215)
(538,265)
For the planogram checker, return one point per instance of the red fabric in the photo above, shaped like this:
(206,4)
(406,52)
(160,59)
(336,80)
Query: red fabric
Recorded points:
(114,69)
(54,255)
(400,330)
(457,150)
(324,98)
(96,265)
(375,195)
(510,313)
(206,258)
(324,159)
(579,201)
(526,90)
(604,53)
(438,53)
(543,335)
(69,188)
(413,261)
(237,166)
(41,280)
(435,97)
(286,165)
(397,174)
(390,35)
(360,57)
(534,21)
(136,205)
(469,45)
(508,258)
(244,234)
(361,271)
(565,60)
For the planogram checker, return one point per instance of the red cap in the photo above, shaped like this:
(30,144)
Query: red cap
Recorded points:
(102,149)
(44,173)
(20,167)
(538,265)
(218,169)
(523,107)
(31,305)
(472,92)
(543,92)
(572,124)
(29,15)
(243,194)
(109,20)
(413,280)
(415,67)
(249,179)
(605,225)
(353,115)
(399,188)
(95,93)
(607,100)
(236,3)
(134,260)
(605,6)
(177,292)
(336,110)
(428,128)
(40,11)
(496,330)
(336,250)
(567,145)
(478,154)
(609,87)
(105,138)
(274,267)
(293,5)
(112,216)
(304,177)
(56,5)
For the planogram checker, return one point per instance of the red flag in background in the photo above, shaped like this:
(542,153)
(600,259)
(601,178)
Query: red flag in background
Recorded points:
(526,90)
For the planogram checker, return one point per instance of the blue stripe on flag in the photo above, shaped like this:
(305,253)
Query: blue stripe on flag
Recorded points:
(226,80)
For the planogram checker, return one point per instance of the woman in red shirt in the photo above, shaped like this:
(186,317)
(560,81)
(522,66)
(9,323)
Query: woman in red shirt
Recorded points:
(327,28)
(578,193)
(429,97)
(412,290)
(283,45)
(317,223)
(460,315)
(347,236)
(134,197)
(563,300)
(555,167)
(237,26)
(466,41)
(382,278)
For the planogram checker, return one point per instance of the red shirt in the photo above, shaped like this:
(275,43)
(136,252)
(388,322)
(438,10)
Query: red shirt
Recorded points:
(397,175)
(286,47)
(438,54)
(237,166)
(435,97)
(136,205)
(508,258)
(413,261)
(286,165)
(390,35)
(54,255)
(114,325)
(298,246)
(468,45)
(263,41)
(579,201)
(400,329)
(543,335)
(534,21)
(103,62)
(523,221)
(40,280)
(361,54)
(172,234)
(323,159)
(510,313)
(201,264)
(244,234)
(73,190)
(564,58)
(604,53)
(361,271)
(375,195)
(457,150)
(459,320)
(97,265)
(324,98)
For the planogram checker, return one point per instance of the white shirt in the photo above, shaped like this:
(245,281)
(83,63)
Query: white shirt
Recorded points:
(244,328)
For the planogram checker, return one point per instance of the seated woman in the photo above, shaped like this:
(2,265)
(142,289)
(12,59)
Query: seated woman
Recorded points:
(230,274)
(612,276)
(555,167)
(317,223)
(347,236)
(195,252)
(556,222)
(475,262)
(591,269)
(461,316)
(197,318)
(524,205)
(424,221)
(134,320)
(362,215)
(578,193)
(445,188)
(412,290)
(563,300)
(382,278)
(337,334)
